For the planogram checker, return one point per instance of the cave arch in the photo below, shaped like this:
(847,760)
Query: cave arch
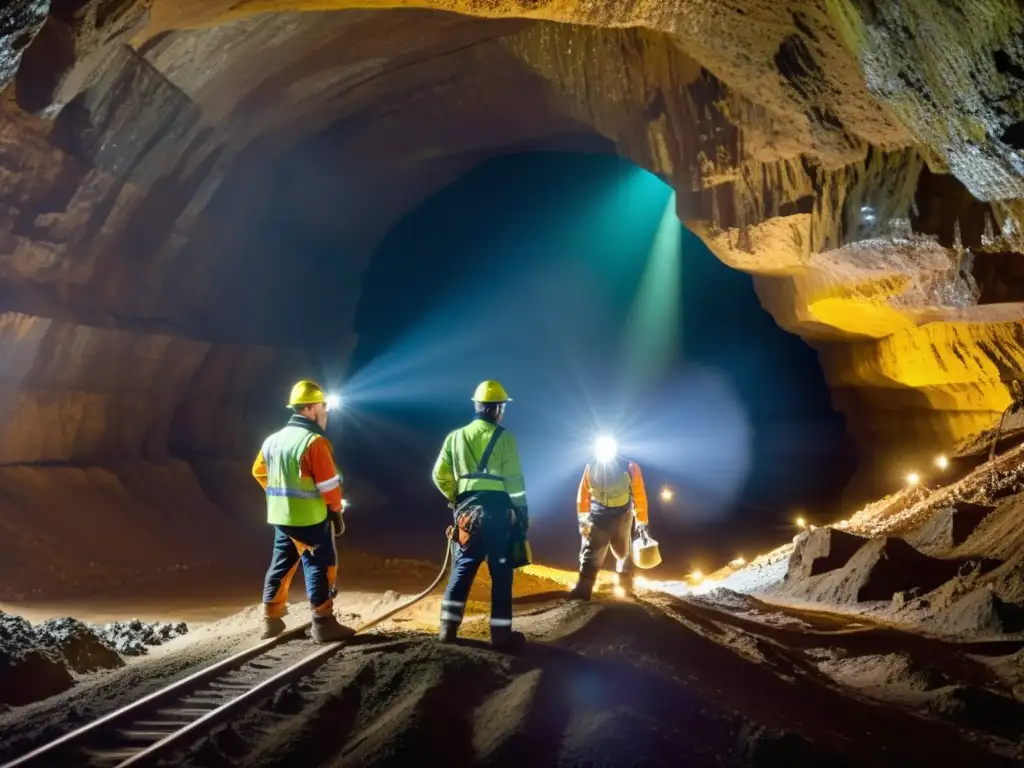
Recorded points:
(155,199)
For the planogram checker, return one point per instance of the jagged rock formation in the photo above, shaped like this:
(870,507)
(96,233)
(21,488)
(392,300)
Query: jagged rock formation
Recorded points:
(165,165)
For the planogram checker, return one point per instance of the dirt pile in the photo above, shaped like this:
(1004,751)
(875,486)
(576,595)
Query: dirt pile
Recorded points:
(822,550)
(131,638)
(79,645)
(979,612)
(880,569)
(950,563)
(39,661)
(28,669)
(1006,481)
(979,708)
(949,527)
(889,514)
(602,684)
(395,702)
(874,672)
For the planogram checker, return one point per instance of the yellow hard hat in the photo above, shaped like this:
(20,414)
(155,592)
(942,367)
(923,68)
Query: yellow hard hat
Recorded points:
(306,393)
(491,392)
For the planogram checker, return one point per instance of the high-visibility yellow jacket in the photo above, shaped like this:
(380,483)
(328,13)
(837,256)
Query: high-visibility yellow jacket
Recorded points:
(613,489)
(455,471)
(296,468)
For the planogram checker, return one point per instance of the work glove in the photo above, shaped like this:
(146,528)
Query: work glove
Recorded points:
(337,522)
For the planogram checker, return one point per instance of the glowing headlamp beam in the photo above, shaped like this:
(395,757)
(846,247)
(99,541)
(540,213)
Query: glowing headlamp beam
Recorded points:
(605,448)
(332,401)
(655,318)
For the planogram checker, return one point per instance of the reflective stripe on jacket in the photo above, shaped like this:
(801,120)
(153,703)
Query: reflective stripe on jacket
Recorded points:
(461,454)
(296,469)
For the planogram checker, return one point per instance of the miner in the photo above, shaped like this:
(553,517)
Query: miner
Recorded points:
(610,499)
(478,471)
(296,468)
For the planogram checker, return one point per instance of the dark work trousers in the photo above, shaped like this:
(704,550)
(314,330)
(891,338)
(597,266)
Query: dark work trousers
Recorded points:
(611,527)
(313,546)
(490,543)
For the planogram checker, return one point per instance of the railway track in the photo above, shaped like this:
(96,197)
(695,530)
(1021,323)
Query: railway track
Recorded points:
(155,725)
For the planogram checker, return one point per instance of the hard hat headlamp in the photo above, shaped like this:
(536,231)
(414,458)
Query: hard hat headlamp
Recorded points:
(605,449)
(332,401)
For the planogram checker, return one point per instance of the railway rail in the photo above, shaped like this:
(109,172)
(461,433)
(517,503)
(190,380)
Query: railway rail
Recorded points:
(155,725)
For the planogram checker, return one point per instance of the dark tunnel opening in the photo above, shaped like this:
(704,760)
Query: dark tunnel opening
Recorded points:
(532,269)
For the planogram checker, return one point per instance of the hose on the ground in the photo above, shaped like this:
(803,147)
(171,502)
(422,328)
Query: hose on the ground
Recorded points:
(301,628)
(413,600)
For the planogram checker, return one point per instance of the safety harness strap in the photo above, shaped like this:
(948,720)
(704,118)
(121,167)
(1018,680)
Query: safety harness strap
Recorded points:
(481,468)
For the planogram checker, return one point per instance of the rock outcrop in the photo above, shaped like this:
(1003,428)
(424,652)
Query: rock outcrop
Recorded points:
(165,165)
(20,22)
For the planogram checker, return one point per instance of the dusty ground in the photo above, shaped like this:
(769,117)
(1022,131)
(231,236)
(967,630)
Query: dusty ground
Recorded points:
(606,683)
(893,639)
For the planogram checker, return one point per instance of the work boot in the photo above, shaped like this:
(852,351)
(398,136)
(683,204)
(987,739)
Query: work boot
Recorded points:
(448,632)
(326,629)
(579,592)
(272,628)
(583,589)
(505,639)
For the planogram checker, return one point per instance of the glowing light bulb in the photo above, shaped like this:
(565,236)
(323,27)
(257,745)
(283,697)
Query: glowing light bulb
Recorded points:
(913,479)
(332,401)
(696,575)
(667,494)
(801,523)
(941,461)
(605,448)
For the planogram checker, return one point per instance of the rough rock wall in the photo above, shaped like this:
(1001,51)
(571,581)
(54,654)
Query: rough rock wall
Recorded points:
(20,22)
(115,316)
(122,349)
(844,152)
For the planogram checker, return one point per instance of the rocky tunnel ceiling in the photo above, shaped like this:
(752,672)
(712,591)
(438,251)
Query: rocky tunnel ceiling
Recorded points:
(165,165)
